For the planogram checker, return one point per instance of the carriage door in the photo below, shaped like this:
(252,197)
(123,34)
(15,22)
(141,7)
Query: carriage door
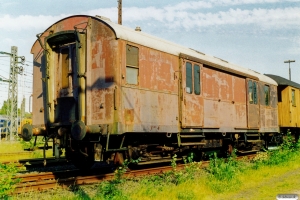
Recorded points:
(67,82)
(252,104)
(64,77)
(191,97)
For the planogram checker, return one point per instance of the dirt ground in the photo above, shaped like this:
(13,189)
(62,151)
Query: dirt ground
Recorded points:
(287,183)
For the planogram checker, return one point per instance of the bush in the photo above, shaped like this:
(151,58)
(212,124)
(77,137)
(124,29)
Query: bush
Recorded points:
(223,169)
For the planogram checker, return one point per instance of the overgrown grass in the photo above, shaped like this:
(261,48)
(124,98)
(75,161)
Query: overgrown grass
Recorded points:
(267,175)
(19,146)
(10,146)
(7,181)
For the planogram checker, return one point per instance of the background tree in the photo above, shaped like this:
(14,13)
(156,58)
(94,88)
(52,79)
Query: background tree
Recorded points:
(4,108)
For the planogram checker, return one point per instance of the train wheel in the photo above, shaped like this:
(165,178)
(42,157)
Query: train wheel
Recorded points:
(82,162)
(82,158)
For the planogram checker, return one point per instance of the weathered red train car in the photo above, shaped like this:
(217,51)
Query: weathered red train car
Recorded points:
(104,92)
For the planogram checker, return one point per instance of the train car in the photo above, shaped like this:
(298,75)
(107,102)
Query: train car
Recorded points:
(288,105)
(5,124)
(3,127)
(105,92)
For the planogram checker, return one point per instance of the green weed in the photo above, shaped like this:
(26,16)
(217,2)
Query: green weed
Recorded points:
(7,181)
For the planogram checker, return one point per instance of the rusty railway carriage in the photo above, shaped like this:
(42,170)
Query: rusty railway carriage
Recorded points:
(105,92)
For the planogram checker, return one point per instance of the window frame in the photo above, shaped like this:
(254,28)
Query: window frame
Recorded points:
(132,66)
(198,76)
(191,78)
(252,92)
(267,97)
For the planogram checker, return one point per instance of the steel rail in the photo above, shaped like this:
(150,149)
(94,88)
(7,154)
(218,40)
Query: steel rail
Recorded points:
(65,179)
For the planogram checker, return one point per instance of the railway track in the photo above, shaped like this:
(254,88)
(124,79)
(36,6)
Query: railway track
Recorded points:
(65,179)
(34,161)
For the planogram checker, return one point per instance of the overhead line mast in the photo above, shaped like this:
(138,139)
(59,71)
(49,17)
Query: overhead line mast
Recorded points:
(12,111)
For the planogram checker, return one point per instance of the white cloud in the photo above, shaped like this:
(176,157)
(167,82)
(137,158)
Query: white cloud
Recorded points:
(106,12)
(26,22)
(245,2)
(187,15)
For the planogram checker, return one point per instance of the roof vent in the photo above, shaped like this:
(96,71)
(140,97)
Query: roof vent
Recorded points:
(221,59)
(103,18)
(138,28)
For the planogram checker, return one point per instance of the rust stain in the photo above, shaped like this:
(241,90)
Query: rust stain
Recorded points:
(129,116)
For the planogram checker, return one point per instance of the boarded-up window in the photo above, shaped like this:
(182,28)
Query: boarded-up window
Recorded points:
(197,79)
(293,98)
(189,78)
(267,95)
(132,64)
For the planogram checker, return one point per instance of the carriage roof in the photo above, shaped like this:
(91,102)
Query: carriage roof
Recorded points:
(144,39)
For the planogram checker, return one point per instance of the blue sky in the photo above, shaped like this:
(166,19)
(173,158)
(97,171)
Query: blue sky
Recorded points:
(255,34)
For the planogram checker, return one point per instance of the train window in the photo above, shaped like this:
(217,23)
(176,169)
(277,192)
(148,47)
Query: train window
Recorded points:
(250,92)
(293,98)
(132,64)
(197,79)
(189,78)
(254,92)
(65,67)
(131,75)
(267,95)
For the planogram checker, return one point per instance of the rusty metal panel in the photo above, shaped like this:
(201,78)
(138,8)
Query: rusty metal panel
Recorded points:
(192,111)
(254,116)
(224,115)
(152,104)
(253,109)
(101,71)
(240,115)
(211,113)
(268,114)
(102,106)
(273,96)
(157,70)
(268,119)
(149,111)
(38,85)
(69,23)
(239,90)
(217,85)
(225,100)
(191,104)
